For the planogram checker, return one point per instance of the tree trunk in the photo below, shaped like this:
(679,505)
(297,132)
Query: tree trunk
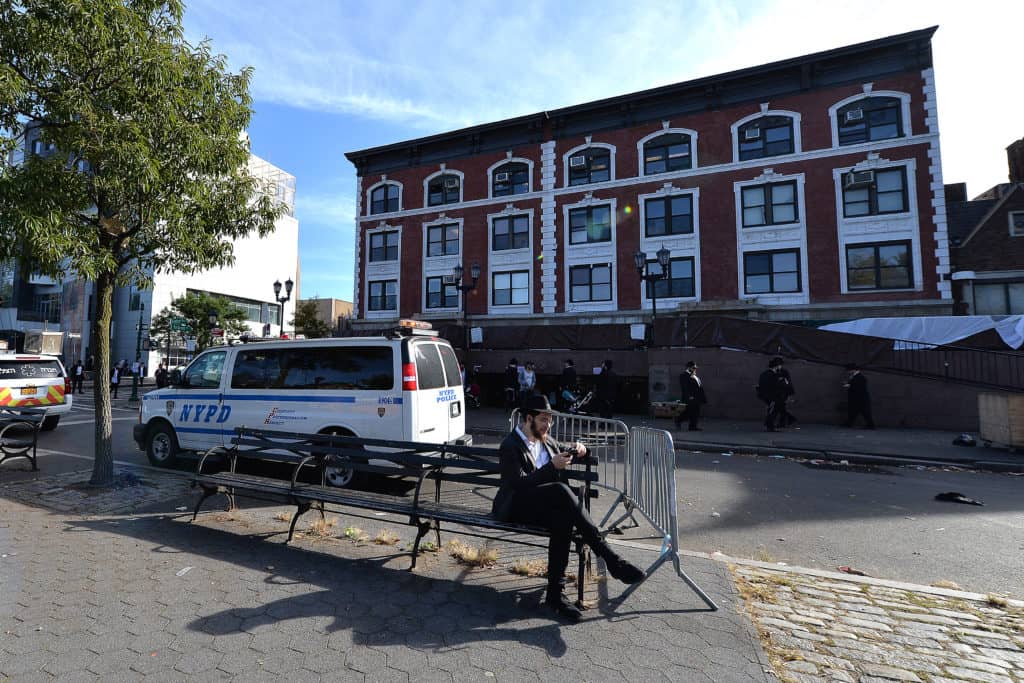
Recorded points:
(103,457)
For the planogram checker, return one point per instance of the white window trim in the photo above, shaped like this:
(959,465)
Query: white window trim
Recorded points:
(510,309)
(587,254)
(833,113)
(442,311)
(1009,218)
(797,142)
(508,212)
(435,266)
(801,297)
(771,178)
(369,197)
(581,148)
(443,171)
(895,227)
(657,134)
(681,246)
(381,270)
(510,160)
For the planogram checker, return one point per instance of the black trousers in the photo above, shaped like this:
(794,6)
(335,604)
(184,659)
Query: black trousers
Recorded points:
(557,508)
(853,409)
(692,414)
(113,390)
(76,384)
(772,412)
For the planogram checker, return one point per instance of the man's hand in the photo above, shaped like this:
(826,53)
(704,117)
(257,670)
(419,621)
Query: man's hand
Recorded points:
(561,460)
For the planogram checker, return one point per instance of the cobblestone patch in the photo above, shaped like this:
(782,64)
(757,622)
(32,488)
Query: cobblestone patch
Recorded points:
(71,493)
(819,630)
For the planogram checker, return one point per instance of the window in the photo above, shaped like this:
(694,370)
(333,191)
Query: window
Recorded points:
(998,298)
(134,299)
(590,282)
(384,246)
(384,199)
(443,189)
(339,367)
(592,224)
(383,295)
(591,165)
(429,366)
(511,288)
(768,136)
(40,148)
(443,240)
(511,178)
(440,294)
(870,119)
(205,372)
(878,266)
(670,152)
(770,204)
(252,309)
(668,216)
(870,193)
(771,272)
(512,232)
(678,283)
(1017,223)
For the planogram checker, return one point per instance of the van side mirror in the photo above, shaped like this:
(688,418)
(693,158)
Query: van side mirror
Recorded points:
(175,378)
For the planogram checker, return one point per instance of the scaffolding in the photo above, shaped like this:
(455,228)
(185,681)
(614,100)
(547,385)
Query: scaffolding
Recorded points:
(283,183)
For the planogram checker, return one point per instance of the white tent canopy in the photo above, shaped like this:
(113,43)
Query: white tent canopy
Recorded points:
(936,330)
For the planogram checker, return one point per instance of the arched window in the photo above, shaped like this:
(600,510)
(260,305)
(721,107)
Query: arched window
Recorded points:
(510,178)
(590,165)
(384,199)
(869,119)
(766,136)
(443,189)
(669,152)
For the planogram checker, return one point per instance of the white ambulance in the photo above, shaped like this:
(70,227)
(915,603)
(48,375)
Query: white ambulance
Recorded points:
(404,386)
(32,380)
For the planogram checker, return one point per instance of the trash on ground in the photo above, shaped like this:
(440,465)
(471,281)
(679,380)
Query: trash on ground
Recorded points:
(714,462)
(965,439)
(954,497)
(183,571)
(844,462)
(716,514)
(777,457)
(850,570)
(727,454)
(181,508)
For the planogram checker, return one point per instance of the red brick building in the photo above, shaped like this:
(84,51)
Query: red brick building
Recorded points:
(804,189)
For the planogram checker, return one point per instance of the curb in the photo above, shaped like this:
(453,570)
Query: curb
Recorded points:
(822,574)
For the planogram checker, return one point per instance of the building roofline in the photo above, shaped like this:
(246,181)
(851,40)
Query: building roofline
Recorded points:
(1017,187)
(538,118)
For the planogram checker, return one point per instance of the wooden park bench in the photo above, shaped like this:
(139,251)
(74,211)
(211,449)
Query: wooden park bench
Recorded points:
(426,507)
(19,434)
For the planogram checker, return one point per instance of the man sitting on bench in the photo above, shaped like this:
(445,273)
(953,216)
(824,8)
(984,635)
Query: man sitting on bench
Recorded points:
(533,490)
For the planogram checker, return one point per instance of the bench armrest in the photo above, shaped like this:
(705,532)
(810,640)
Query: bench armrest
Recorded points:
(228,452)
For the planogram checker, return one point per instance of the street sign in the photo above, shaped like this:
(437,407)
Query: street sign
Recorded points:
(180,325)
(217,332)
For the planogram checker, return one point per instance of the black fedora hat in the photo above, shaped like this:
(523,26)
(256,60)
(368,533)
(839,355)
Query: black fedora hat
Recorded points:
(538,403)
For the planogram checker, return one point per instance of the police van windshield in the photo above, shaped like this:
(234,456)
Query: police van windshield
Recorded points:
(206,370)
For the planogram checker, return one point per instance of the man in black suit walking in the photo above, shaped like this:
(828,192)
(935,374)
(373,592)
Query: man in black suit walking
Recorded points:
(533,490)
(692,391)
(771,388)
(858,400)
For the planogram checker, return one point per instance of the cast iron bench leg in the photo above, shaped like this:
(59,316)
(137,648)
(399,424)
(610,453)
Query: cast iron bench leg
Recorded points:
(301,509)
(423,528)
(207,492)
(581,570)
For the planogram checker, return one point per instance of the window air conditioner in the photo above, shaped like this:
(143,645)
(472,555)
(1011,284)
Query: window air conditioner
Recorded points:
(448,279)
(451,183)
(501,177)
(752,133)
(853,115)
(578,161)
(856,179)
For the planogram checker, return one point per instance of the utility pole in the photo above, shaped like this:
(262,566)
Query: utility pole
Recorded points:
(138,356)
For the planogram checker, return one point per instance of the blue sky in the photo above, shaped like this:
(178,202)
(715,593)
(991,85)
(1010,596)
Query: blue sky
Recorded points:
(336,76)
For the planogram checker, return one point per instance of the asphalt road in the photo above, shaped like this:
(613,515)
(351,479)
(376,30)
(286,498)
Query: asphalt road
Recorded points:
(882,521)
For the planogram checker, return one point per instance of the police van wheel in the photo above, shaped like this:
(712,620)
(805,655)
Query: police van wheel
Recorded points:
(161,445)
(49,423)
(340,477)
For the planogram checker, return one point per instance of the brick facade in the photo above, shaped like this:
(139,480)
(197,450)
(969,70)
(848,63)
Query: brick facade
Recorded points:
(714,183)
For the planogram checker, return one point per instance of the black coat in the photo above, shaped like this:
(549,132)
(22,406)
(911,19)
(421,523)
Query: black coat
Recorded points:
(771,386)
(607,385)
(784,374)
(692,390)
(569,379)
(511,377)
(518,472)
(857,393)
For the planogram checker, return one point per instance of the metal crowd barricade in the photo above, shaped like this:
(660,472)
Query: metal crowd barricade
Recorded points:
(638,464)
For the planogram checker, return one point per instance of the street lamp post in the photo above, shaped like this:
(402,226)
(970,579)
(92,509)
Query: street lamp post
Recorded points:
(474,274)
(138,356)
(651,279)
(211,323)
(288,284)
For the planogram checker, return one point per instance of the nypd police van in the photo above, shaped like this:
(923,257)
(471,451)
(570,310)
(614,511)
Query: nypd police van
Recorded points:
(403,386)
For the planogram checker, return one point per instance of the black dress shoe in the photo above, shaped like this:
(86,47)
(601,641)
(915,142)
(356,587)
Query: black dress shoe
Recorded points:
(625,571)
(562,607)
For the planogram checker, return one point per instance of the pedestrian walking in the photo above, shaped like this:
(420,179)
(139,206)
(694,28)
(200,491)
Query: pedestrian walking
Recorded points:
(786,418)
(534,490)
(161,376)
(115,380)
(692,391)
(527,382)
(771,389)
(858,400)
(607,389)
(77,377)
(567,384)
(511,386)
